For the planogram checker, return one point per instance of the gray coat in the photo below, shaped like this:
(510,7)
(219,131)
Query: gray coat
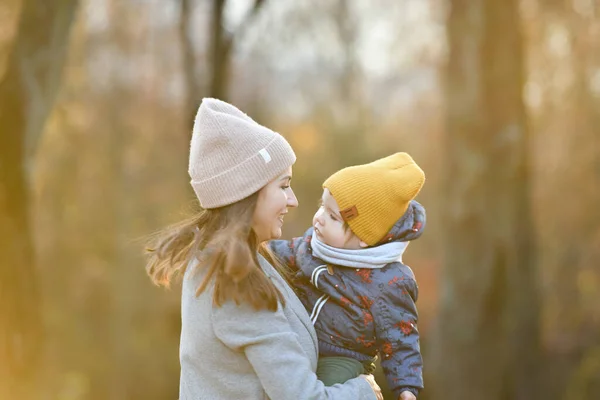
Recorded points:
(233,352)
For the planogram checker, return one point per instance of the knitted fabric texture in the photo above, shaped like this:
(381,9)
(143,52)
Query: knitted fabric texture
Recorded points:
(372,197)
(232,156)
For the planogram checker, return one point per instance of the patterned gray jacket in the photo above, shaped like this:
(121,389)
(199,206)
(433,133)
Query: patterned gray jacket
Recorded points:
(359,312)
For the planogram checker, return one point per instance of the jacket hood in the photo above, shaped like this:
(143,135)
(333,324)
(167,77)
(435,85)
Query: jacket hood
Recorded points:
(410,226)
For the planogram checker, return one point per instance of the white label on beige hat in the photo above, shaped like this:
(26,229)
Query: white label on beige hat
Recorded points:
(265,155)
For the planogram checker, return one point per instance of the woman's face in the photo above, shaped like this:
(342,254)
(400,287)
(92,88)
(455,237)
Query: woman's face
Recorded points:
(272,205)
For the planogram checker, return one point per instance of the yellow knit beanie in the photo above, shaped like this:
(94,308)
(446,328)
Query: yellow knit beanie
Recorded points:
(372,197)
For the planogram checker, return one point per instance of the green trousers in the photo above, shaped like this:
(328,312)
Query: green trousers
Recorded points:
(332,370)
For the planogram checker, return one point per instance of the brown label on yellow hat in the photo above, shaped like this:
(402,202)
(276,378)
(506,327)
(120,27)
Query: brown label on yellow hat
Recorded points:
(349,213)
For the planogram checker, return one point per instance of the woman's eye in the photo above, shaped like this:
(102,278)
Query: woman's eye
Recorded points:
(285,187)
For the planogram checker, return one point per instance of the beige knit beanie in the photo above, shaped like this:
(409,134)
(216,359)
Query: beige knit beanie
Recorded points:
(232,156)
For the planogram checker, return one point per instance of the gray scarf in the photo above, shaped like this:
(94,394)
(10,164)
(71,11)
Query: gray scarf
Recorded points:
(369,257)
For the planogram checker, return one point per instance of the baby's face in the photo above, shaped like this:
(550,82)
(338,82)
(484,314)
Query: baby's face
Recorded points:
(329,225)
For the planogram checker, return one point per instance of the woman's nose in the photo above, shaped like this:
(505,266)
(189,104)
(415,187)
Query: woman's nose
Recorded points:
(292,200)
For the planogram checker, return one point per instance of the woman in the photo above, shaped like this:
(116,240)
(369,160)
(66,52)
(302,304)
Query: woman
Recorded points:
(244,335)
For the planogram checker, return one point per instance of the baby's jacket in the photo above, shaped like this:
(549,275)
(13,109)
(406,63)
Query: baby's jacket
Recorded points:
(363,312)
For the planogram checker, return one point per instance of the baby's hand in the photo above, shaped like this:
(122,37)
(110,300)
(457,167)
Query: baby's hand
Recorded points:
(406,395)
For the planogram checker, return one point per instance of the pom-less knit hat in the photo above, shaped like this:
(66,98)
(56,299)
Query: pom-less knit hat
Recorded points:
(232,156)
(372,197)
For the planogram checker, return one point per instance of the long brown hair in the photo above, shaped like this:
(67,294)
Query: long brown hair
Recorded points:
(224,243)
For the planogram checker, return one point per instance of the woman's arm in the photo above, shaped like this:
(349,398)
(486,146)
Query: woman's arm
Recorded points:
(273,349)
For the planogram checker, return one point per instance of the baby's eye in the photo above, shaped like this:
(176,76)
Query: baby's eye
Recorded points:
(332,217)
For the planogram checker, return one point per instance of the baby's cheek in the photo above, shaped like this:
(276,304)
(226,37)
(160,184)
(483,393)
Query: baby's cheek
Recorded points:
(337,242)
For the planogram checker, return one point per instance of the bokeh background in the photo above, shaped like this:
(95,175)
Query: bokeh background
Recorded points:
(498,101)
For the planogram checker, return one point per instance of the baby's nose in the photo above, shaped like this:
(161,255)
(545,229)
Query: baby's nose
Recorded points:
(320,218)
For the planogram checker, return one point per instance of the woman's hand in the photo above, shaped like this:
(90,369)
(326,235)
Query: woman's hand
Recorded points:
(406,395)
(374,386)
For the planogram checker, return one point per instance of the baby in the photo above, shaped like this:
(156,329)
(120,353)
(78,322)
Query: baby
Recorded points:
(349,274)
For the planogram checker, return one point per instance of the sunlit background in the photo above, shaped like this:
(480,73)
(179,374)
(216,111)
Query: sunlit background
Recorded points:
(498,101)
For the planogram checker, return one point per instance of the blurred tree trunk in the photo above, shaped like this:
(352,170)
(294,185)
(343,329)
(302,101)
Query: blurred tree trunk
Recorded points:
(583,230)
(192,85)
(222,44)
(27,94)
(119,286)
(111,302)
(221,49)
(487,340)
(585,142)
